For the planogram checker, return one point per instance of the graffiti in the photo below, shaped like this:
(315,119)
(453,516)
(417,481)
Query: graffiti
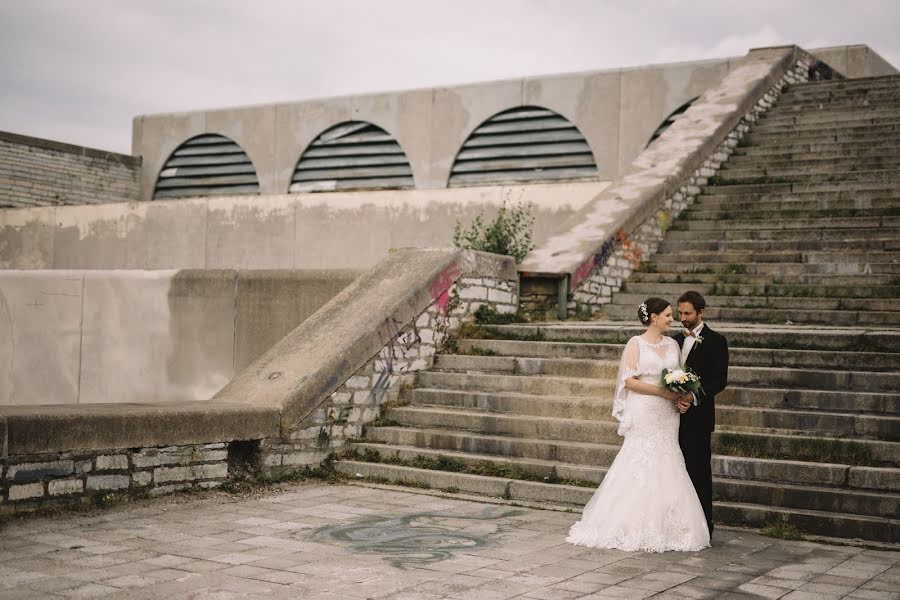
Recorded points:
(440,287)
(413,540)
(584,270)
(631,250)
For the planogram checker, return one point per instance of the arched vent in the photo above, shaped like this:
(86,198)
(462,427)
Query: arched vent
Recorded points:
(354,155)
(523,144)
(676,114)
(206,165)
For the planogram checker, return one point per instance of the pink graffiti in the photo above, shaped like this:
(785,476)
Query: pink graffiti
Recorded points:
(584,270)
(440,287)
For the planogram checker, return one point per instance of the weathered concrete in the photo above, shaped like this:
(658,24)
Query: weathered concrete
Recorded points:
(296,231)
(70,337)
(616,110)
(306,366)
(663,167)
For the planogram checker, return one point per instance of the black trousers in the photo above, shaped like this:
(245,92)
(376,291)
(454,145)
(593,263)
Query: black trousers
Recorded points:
(695,446)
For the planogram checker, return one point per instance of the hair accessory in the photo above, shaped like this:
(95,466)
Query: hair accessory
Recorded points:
(643,309)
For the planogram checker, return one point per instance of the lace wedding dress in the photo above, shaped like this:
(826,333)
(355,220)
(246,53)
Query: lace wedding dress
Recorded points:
(646,501)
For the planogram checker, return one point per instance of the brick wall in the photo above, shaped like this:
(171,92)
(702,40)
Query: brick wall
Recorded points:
(36,172)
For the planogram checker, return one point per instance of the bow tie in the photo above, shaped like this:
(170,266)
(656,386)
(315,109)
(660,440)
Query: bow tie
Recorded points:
(689,333)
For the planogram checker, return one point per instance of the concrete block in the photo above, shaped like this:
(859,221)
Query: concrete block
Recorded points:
(112,462)
(141,478)
(26,491)
(190,473)
(62,487)
(107,482)
(36,471)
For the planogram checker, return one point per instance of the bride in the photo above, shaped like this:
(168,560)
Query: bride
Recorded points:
(646,501)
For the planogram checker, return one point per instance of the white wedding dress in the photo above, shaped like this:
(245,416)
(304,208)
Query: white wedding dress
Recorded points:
(646,501)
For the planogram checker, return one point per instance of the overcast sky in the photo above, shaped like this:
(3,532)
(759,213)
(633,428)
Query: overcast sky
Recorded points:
(78,71)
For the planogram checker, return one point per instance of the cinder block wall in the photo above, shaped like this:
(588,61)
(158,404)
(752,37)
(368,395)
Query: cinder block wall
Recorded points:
(37,172)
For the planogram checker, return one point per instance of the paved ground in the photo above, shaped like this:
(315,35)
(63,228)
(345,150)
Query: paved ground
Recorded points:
(319,541)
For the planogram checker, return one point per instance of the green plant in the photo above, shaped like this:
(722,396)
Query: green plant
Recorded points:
(487,314)
(452,489)
(508,233)
(782,530)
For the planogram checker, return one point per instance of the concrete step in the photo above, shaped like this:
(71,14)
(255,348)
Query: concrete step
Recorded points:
(778,138)
(753,301)
(728,178)
(563,367)
(876,427)
(778,164)
(774,270)
(775,257)
(751,357)
(480,464)
(875,529)
(807,497)
(778,315)
(537,405)
(805,447)
(827,475)
(809,149)
(763,290)
(769,336)
(521,426)
(482,443)
(852,188)
(810,222)
(833,122)
(496,487)
(834,87)
(807,152)
(790,203)
(848,102)
(563,386)
(816,522)
(875,114)
(781,240)
(771,210)
(861,404)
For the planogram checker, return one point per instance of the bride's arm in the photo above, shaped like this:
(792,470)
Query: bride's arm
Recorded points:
(640,387)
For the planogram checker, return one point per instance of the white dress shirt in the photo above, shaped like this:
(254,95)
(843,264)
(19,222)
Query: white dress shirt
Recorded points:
(689,341)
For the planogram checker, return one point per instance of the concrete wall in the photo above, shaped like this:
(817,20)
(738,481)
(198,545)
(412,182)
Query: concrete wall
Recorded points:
(855,61)
(36,172)
(77,337)
(296,231)
(616,110)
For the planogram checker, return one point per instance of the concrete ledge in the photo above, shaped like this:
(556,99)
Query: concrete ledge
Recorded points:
(60,428)
(300,372)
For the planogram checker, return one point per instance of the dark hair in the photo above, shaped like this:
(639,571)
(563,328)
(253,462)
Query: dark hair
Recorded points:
(694,298)
(654,307)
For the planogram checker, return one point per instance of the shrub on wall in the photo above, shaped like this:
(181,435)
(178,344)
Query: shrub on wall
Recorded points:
(508,233)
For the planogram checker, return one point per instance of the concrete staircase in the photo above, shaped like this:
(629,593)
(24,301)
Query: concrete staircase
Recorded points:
(796,247)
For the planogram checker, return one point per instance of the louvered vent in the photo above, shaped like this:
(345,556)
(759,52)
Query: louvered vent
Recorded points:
(676,114)
(207,165)
(355,155)
(523,144)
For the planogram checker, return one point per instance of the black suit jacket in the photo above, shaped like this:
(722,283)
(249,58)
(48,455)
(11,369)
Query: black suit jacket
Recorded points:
(709,360)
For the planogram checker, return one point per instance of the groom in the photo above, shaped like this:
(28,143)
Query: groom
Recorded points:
(706,353)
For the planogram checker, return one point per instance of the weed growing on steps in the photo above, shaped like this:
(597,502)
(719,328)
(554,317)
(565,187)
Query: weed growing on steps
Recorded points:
(453,465)
(782,530)
(509,233)
(488,315)
(475,351)
(817,449)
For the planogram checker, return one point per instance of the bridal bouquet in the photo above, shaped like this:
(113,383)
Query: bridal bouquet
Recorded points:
(681,380)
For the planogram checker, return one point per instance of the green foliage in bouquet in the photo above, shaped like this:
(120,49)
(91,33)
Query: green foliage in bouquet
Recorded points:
(681,380)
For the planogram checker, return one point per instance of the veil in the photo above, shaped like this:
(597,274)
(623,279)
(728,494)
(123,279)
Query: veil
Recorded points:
(628,368)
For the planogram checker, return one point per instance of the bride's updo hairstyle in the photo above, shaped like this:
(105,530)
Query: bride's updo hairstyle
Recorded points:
(651,306)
